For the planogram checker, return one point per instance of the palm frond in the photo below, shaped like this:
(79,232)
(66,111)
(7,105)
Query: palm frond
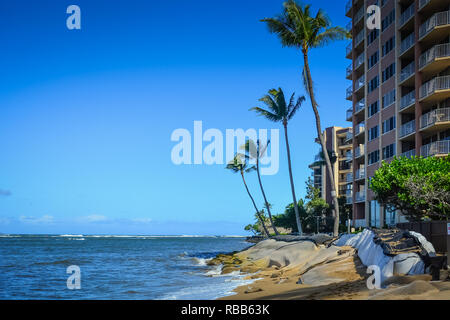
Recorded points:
(267,114)
(297,106)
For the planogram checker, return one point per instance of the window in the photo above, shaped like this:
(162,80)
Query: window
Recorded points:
(388,20)
(373,35)
(373,133)
(374,83)
(373,108)
(389,151)
(389,125)
(373,60)
(388,72)
(374,213)
(389,99)
(388,46)
(374,157)
(389,217)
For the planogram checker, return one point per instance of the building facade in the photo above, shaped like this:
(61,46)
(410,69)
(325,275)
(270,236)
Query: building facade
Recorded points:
(340,146)
(400,92)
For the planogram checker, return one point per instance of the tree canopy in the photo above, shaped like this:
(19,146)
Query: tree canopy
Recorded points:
(419,187)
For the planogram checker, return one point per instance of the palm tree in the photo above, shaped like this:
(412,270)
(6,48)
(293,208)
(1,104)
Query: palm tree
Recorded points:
(280,111)
(240,165)
(257,152)
(297,28)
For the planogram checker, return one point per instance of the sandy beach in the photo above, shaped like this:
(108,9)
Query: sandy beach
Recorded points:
(305,271)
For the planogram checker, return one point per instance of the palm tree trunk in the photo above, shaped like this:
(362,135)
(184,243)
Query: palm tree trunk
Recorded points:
(322,142)
(256,208)
(294,198)
(265,199)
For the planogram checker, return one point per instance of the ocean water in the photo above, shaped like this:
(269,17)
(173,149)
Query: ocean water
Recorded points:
(115,267)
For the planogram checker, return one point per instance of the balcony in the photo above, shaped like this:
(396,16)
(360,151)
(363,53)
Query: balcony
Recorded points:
(360,105)
(349,177)
(360,197)
(349,72)
(344,166)
(408,100)
(359,61)
(435,26)
(349,26)
(407,71)
(349,94)
(349,155)
(359,151)
(349,199)
(360,174)
(359,128)
(436,89)
(348,51)
(359,15)
(409,154)
(360,83)
(348,8)
(438,148)
(359,38)
(407,43)
(435,120)
(407,129)
(349,136)
(349,114)
(407,15)
(435,59)
(423,3)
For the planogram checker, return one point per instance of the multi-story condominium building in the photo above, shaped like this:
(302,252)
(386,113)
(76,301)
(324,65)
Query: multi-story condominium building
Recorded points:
(400,92)
(339,144)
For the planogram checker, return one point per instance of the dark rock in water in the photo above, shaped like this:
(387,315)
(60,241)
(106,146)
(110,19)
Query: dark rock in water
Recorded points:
(299,281)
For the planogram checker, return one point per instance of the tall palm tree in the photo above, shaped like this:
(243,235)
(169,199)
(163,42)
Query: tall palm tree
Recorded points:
(240,165)
(297,28)
(280,111)
(257,152)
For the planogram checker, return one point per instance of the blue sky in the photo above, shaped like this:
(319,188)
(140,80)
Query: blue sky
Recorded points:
(86,115)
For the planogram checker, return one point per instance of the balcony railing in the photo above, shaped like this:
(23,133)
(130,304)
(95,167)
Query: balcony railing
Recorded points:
(360,83)
(407,71)
(349,155)
(436,84)
(344,165)
(359,15)
(408,128)
(438,51)
(434,117)
(359,128)
(360,174)
(408,100)
(360,196)
(348,6)
(360,105)
(349,113)
(349,92)
(359,38)
(423,3)
(349,49)
(407,43)
(359,61)
(409,154)
(359,151)
(349,177)
(435,148)
(349,70)
(349,136)
(438,19)
(349,26)
(407,14)
(349,199)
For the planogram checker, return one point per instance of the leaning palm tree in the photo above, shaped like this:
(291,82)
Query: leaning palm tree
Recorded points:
(297,28)
(239,165)
(256,152)
(280,111)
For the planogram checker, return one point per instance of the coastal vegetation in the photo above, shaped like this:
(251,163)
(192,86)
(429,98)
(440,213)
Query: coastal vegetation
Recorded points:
(278,110)
(240,165)
(419,187)
(297,27)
